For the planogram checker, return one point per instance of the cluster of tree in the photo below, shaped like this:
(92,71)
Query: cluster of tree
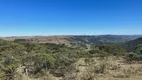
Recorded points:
(106,50)
(136,55)
(22,41)
(131,45)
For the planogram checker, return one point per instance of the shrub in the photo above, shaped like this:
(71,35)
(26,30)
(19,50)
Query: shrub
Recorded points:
(112,49)
(64,59)
(99,53)
(37,63)
(133,57)
(138,49)
(9,67)
(137,56)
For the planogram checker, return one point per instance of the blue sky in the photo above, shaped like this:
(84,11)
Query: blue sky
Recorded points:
(70,17)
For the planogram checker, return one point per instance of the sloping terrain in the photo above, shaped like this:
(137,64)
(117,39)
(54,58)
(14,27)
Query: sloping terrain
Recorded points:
(76,40)
(24,59)
(131,45)
(112,69)
(103,39)
(39,39)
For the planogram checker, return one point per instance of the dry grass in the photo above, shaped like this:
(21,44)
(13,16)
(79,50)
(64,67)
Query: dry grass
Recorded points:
(96,69)
(41,39)
(110,69)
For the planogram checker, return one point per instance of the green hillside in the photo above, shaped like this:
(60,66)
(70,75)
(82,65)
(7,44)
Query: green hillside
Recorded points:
(131,45)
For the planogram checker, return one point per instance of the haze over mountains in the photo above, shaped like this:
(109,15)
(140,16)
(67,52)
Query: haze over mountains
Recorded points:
(84,39)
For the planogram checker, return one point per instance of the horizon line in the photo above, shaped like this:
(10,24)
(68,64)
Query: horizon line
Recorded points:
(75,35)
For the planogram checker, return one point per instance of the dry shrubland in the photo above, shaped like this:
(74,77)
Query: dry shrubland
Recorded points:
(46,61)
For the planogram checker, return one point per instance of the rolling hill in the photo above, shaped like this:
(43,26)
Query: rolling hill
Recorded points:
(131,45)
(74,39)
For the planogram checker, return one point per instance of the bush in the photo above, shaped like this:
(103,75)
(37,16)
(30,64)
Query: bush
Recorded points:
(64,59)
(139,49)
(133,57)
(99,53)
(112,49)
(137,56)
(36,48)
(37,63)
(9,67)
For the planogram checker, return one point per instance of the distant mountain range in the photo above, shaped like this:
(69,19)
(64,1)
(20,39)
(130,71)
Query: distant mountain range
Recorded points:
(129,42)
(86,39)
